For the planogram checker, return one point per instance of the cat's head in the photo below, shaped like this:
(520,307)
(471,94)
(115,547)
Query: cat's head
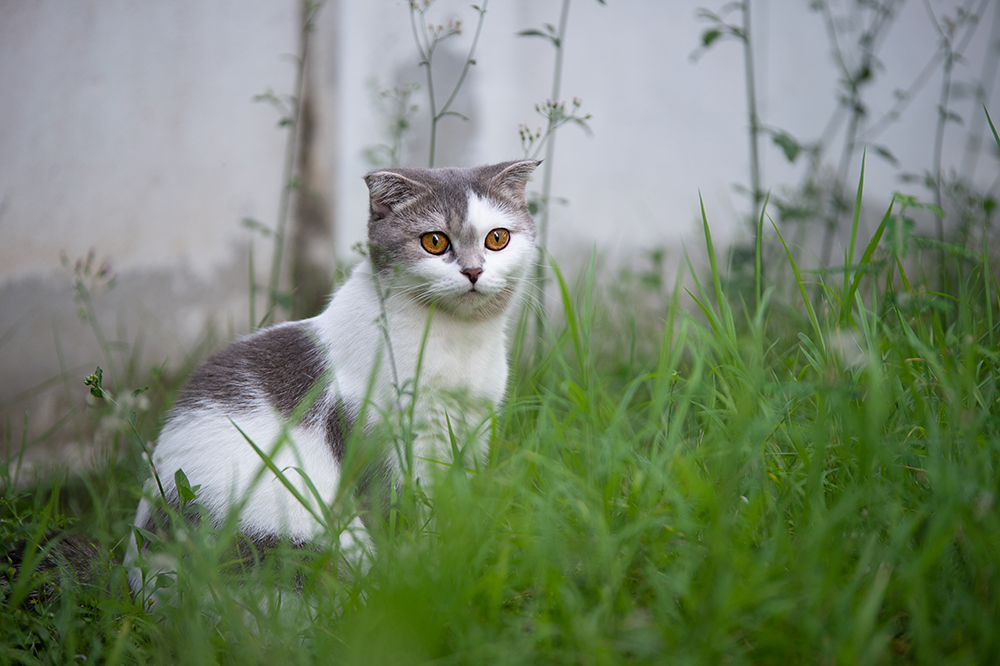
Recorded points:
(461,239)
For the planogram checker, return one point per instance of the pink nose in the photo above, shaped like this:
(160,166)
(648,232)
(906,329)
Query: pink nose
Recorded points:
(472,273)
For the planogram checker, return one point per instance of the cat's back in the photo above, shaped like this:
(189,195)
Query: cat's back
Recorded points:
(268,383)
(275,367)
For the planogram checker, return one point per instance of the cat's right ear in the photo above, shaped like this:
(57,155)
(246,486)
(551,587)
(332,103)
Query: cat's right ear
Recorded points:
(389,191)
(513,177)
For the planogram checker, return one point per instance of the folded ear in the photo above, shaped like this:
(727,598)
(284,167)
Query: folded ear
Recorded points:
(389,191)
(512,178)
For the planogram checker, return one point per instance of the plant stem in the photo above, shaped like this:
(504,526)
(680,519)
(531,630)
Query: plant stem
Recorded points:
(755,179)
(309,11)
(939,135)
(469,61)
(253,288)
(951,53)
(426,52)
(837,195)
(853,79)
(984,91)
(426,56)
(102,340)
(550,148)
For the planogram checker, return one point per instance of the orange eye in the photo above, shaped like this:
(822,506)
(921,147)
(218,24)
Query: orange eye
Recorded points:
(497,239)
(435,242)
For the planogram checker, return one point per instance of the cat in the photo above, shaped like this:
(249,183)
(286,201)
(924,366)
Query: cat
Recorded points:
(449,253)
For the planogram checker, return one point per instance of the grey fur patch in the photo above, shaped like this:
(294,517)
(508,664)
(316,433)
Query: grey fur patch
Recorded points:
(339,422)
(252,549)
(157,522)
(504,183)
(77,555)
(280,364)
(249,549)
(375,490)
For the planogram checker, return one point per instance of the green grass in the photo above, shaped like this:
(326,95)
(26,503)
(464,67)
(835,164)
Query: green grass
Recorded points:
(807,482)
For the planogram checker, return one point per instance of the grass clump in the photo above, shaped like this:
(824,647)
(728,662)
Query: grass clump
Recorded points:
(724,490)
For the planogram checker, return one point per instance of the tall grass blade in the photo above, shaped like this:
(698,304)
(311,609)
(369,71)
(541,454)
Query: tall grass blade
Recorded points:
(802,289)
(571,317)
(866,258)
(269,463)
(725,314)
(758,252)
(996,137)
(33,554)
(710,315)
(118,650)
(845,301)
(985,259)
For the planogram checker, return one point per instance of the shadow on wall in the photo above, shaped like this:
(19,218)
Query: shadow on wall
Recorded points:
(53,323)
(457,130)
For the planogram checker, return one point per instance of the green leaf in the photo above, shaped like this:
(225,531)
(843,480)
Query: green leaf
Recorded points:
(788,144)
(886,155)
(163,581)
(144,536)
(184,490)
(258,226)
(910,201)
(996,137)
(710,36)
(954,249)
(952,117)
(95,382)
(900,235)
(283,299)
(531,32)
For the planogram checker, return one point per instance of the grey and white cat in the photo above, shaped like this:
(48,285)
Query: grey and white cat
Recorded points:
(449,255)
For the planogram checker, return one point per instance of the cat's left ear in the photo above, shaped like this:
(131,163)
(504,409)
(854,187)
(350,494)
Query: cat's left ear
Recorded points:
(389,191)
(513,177)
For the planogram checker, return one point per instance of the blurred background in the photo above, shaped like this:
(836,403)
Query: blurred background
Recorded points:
(173,174)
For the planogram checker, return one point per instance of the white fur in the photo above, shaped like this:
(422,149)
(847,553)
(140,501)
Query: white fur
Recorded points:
(463,380)
(464,363)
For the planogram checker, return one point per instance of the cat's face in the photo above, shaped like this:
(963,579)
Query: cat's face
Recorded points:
(461,239)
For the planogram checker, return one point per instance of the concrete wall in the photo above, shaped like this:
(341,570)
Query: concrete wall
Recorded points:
(664,126)
(130,127)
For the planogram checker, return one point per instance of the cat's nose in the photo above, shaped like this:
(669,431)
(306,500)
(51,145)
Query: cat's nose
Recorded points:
(472,273)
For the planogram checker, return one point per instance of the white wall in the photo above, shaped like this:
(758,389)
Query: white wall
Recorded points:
(130,127)
(664,126)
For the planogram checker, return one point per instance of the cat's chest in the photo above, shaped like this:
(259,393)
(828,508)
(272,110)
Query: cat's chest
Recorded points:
(458,358)
(379,346)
